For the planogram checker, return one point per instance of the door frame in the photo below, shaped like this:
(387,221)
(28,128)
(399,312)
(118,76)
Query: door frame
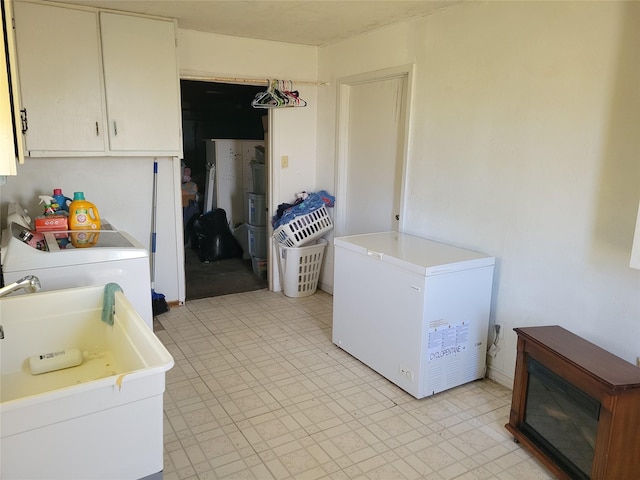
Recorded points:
(342,136)
(272,180)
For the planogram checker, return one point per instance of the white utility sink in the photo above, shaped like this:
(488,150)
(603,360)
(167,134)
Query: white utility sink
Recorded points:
(100,419)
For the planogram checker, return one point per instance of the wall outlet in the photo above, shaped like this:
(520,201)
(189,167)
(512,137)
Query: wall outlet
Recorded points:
(284,161)
(406,373)
(493,350)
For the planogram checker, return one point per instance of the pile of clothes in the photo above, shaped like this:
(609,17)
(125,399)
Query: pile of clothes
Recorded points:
(303,204)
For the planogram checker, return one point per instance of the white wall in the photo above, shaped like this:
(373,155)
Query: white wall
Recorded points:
(523,145)
(293,129)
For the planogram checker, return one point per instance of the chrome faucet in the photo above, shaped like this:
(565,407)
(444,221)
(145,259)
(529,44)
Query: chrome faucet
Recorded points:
(30,284)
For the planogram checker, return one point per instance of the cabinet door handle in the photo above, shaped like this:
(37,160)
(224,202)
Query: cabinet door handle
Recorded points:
(97,130)
(115,128)
(24,124)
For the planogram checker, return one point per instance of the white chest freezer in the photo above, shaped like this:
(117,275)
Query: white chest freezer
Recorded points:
(414,310)
(107,256)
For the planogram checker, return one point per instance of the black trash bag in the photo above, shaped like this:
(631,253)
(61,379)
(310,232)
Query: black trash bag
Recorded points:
(212,239)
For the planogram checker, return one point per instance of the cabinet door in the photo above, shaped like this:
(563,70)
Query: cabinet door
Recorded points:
(7,152)
(60,79)
(141,81)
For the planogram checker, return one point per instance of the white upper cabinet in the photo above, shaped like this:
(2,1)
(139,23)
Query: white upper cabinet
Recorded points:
(7,151)
(59,66)
(141,78)
(10,150)
(96,83)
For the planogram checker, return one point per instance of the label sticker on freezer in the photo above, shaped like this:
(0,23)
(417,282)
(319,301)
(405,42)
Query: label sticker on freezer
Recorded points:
(446,339)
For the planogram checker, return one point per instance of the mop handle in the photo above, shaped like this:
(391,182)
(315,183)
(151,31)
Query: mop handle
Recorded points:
(153,225)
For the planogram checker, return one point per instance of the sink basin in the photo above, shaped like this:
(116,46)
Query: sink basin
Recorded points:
(100,419)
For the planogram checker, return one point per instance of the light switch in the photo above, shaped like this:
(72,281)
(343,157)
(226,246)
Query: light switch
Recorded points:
(284,161)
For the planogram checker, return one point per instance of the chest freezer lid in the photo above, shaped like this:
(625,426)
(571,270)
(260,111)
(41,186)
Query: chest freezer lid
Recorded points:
(111,245)
(415,254)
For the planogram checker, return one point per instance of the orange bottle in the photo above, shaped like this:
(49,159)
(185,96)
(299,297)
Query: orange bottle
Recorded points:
(83,215)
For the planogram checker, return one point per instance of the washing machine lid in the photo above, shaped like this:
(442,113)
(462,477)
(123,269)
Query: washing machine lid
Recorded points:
(67,248)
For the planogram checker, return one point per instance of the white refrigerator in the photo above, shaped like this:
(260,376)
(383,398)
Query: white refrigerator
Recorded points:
(414,310)
(228,177)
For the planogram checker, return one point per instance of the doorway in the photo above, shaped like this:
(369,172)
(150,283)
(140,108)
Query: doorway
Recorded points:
(371,151)
(215,111)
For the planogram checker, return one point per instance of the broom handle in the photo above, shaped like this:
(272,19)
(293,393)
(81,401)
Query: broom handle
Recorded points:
(153,225)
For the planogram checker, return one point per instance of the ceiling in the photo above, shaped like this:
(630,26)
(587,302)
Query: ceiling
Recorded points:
(311,22)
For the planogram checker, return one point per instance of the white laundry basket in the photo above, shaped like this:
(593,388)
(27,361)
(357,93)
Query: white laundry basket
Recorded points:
(300,268)
(303,229)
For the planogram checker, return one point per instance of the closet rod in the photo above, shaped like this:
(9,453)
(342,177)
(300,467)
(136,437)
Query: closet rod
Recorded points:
(251,81)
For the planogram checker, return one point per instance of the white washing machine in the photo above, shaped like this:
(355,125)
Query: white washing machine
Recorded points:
(73,260)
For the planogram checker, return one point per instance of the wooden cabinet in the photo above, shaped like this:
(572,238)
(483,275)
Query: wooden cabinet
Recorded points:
(96,83)
(578,370)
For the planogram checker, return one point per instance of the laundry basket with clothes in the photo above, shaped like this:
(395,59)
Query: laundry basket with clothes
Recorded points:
(303,221)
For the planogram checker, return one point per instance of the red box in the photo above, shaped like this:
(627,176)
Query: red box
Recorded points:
(51,223)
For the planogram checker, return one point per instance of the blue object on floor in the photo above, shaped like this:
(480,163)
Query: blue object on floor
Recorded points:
(109,302)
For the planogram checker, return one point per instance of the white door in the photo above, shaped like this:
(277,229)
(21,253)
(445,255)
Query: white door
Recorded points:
(371,154)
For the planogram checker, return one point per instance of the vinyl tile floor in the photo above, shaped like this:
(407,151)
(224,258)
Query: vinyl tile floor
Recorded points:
(259,391)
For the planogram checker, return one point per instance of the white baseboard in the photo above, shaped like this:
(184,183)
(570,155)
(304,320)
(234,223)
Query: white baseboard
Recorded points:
(500,377)
(325,287)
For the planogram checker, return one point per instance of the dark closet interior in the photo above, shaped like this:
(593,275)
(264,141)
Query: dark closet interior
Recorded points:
(216,110)
(219,111)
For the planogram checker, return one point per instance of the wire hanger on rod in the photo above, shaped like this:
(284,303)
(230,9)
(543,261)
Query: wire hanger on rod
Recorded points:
(266,99)
(279,94)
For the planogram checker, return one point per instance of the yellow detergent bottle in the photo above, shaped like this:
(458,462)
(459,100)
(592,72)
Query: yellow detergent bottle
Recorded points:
(83,215)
